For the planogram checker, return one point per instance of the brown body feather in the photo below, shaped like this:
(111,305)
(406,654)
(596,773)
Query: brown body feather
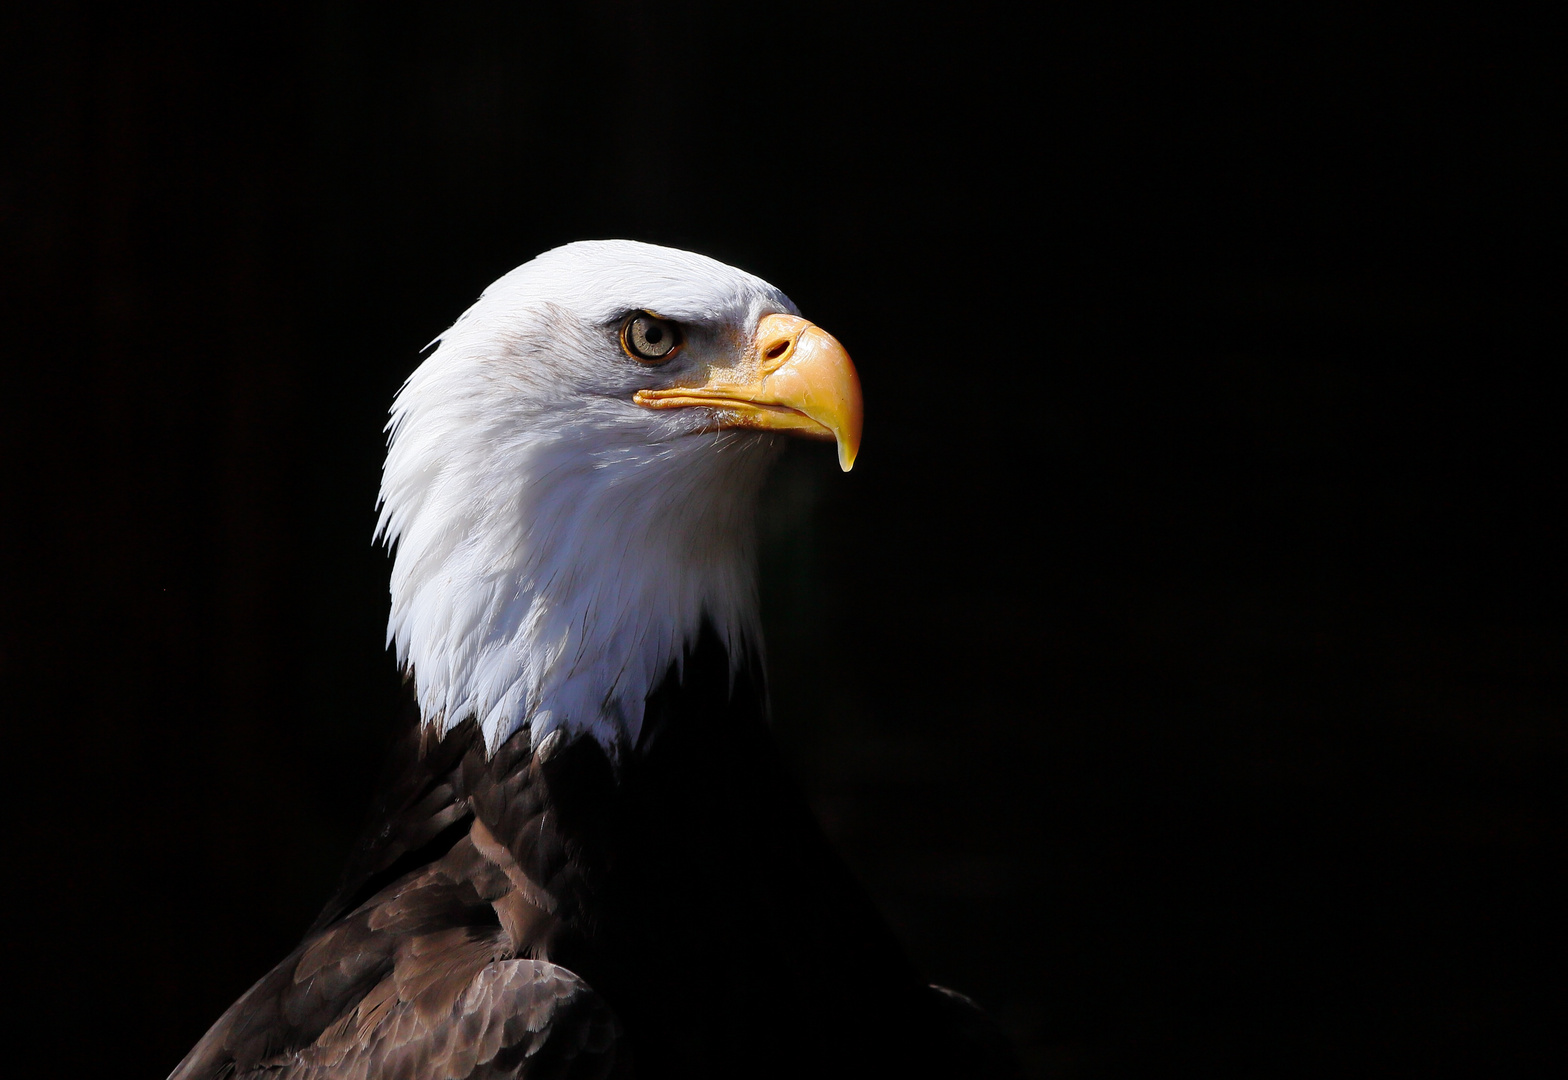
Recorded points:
(556,915)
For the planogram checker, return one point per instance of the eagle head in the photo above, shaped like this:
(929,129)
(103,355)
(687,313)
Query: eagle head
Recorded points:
(571,482)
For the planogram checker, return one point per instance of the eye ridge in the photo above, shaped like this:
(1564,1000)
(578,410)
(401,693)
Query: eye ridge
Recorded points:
(649,339)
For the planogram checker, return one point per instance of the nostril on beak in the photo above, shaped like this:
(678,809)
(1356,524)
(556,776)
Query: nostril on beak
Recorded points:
(777,349)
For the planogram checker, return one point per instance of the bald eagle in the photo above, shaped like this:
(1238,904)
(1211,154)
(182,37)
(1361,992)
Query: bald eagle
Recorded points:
(587,861)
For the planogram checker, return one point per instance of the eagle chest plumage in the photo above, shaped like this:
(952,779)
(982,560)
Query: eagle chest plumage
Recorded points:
(677,913)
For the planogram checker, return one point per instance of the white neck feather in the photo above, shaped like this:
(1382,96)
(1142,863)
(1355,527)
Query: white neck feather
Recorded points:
(550,566)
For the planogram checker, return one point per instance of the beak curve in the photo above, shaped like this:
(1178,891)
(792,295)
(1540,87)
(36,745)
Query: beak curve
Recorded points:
(800,381)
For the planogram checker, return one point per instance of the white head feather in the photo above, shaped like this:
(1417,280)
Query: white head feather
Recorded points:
(557,546)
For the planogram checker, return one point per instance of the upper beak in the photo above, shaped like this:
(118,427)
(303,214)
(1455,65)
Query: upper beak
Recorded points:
(796,378)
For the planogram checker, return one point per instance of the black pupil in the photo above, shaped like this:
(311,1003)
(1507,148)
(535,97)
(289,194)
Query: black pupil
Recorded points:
(654,334)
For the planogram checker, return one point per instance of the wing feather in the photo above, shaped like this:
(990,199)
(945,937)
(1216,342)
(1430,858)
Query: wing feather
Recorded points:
(431,963)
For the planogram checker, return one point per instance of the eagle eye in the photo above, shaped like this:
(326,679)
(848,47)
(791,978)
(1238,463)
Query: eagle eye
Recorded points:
(650,339)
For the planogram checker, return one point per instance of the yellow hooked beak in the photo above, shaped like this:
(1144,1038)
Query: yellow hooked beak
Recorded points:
(794,377)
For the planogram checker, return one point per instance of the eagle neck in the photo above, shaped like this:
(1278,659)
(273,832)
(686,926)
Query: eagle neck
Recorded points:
(560,593)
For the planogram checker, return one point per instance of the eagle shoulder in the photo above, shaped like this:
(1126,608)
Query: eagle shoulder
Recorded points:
(432,959)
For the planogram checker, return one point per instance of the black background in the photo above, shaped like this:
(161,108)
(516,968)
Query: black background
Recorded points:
(1182,666)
